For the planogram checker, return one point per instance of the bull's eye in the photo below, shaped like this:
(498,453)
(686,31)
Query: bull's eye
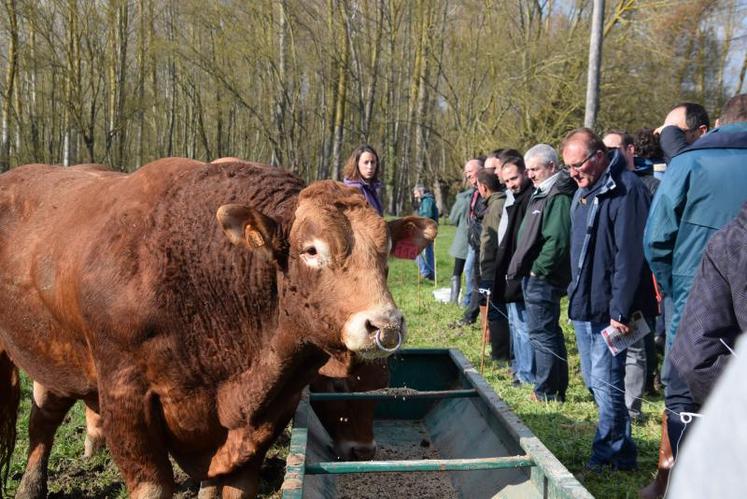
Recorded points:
(315,253)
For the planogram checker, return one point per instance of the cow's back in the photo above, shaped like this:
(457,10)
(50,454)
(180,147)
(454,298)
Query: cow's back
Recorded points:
(94,263)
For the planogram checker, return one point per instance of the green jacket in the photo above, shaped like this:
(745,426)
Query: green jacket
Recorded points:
(489,236)
(553,259)
(543,246)
(458,217)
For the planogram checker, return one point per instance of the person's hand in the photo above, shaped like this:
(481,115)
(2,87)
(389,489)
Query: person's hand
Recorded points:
(484,289)
(619,326)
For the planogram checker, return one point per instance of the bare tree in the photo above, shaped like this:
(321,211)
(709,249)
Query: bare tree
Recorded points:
(10,80)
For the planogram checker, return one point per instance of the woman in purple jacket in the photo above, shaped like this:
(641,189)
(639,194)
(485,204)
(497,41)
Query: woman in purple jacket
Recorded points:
(362,172)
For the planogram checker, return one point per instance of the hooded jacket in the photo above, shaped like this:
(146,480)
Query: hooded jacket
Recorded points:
(703,190)
(610,278)
(644,168)
(544,236)
(458,217)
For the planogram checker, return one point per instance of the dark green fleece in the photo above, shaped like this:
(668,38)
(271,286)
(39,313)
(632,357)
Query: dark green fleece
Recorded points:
(553,260)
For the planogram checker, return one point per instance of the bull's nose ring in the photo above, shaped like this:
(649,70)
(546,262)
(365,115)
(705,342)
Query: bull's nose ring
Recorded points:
(377,340)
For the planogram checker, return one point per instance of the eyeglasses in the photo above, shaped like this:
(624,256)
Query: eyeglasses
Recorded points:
(580,165)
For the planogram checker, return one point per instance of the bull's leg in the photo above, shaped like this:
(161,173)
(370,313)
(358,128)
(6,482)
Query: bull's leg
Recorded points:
(133,430)
(242,484)
(95,440)
(47,412)
(209,489)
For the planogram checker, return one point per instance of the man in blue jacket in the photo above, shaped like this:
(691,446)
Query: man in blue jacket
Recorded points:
(609,281)
(703,190)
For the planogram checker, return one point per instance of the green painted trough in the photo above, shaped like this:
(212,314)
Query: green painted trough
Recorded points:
(441,432)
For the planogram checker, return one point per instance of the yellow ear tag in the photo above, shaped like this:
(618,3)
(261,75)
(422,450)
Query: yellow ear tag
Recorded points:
(254,238)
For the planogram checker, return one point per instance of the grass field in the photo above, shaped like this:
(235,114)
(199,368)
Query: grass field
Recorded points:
(566,429)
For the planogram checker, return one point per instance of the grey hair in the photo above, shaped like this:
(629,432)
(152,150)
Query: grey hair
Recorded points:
(544,152)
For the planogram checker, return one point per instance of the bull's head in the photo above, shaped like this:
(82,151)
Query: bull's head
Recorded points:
(333,265)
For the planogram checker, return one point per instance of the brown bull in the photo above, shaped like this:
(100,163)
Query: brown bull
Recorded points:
(350,422)
(192,338)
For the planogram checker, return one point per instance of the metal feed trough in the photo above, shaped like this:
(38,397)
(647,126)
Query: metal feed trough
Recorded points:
(438,405)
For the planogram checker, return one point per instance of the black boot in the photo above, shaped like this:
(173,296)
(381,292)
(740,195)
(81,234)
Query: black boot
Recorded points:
(456,284)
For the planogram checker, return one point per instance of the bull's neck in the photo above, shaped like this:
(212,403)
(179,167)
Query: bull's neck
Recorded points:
(259,402)
(282,369)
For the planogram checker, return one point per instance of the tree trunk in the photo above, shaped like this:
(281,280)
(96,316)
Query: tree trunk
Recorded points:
(279,96)
(72,87)
(421,130)
(374,74)
(595,64)
(141,69)
(120,20)
(10,79)
(341,94)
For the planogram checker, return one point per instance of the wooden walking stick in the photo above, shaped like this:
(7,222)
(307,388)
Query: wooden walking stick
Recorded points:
(435,265)
(485,335)
(420,298)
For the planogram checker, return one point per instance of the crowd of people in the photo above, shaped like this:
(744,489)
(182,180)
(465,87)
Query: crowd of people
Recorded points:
(619,224)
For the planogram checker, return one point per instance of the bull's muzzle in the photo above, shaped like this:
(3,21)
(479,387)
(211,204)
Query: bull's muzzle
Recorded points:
(375,332)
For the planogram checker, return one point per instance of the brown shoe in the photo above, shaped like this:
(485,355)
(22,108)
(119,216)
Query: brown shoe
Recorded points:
(658,487)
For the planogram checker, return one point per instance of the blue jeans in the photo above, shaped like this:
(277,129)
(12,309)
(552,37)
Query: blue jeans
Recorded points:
(604,375)
(542,304)
(426,265)
(523,363)
(469,275)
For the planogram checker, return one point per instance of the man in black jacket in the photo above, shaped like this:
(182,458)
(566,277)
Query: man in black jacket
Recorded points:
(518,191)
(541,260)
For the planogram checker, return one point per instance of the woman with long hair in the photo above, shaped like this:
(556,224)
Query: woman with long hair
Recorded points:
(362,172)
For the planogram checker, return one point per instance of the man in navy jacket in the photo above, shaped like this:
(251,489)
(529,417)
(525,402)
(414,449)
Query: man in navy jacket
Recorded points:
(609,281)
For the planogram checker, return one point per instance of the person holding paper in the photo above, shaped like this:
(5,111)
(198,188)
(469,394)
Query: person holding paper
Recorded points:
(610,281)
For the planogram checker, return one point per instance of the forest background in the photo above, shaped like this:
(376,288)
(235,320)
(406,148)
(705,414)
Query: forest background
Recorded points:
(429,83)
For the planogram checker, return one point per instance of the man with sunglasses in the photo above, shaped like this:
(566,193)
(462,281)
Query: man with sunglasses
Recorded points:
(609,282)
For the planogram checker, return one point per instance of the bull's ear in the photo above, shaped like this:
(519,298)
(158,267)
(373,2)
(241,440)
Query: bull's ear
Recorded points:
(338,367)
(410,235)
(245,226)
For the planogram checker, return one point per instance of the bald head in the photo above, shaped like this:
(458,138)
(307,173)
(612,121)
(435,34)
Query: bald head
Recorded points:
(689,117)
(585,156)
(471,168)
